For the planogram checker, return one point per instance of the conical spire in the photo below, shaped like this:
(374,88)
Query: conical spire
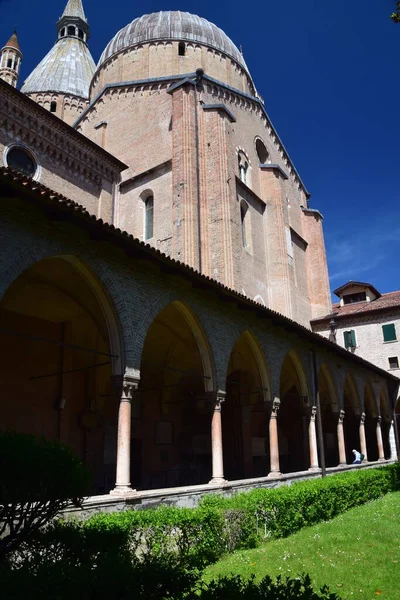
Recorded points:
(69,67)
(74,8)
(10,61)
(13,42)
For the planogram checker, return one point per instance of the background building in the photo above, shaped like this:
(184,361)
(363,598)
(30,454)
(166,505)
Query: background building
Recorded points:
(365,322)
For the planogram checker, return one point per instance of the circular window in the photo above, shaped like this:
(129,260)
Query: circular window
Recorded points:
(20,160)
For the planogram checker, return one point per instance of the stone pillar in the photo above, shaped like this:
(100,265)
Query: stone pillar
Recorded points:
(123,478)
(381,453)
(341,445)
(392,442)
(363,443)
(312,437)
(216,440)
(273,440)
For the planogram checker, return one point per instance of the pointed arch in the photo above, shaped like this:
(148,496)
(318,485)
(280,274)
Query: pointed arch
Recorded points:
(351,423)
(244,416)
(330,407)
(301,381)
(293,418)
(173,443)
(371,416)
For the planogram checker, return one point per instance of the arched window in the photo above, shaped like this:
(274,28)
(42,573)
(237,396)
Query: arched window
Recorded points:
(80,34)
(181,49)
(62,32)
(9,63)
(148,217)
(262,152)
(243,222)
(243,164)
(71,30)
(53,106)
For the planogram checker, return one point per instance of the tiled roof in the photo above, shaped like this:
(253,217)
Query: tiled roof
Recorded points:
(68,68)
(136,247)
(385,302)
(74,8)
(352,283)
(172,25)
(13,42)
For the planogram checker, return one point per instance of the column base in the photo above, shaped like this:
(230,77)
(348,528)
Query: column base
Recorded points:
(381,459)
(122,490)
(217,481)
(274,475)
(315,469)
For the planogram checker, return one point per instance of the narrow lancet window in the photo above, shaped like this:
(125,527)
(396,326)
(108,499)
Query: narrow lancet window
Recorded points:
(148,217)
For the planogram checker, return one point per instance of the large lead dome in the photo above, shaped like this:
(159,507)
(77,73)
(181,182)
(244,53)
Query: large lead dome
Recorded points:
(172,25)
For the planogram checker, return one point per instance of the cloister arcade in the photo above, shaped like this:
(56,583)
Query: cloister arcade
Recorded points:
(183,415)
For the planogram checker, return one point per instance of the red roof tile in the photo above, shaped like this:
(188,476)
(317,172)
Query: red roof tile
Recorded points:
(13,42)
(385,302)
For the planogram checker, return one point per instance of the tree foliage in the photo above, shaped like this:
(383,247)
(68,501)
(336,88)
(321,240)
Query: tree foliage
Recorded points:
(38,479)
(396,15)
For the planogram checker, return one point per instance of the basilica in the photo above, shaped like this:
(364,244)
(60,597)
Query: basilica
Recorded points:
(161,266)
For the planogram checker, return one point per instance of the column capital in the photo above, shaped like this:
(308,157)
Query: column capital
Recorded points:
(313,413)
(126,386)
(341,415)
(275,408)
(379,420)
(216,398)
(362,418)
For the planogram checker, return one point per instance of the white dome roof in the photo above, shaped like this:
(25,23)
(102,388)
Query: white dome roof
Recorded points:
(172,25)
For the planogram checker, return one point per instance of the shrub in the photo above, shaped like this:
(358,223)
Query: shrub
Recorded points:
(39,478)
(233,587)
(279,512)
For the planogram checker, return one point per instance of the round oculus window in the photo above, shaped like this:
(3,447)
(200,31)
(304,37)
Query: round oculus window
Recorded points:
(20,160)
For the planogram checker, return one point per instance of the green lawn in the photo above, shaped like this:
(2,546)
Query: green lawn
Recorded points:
(357,554)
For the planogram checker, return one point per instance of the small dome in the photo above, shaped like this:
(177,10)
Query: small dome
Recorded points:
(172,25)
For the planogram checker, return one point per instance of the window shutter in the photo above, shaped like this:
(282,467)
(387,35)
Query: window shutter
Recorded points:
(389,333)
(349,338)
(346,339)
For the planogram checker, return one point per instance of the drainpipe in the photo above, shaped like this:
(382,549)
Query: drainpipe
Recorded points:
(199,74)
(319,415)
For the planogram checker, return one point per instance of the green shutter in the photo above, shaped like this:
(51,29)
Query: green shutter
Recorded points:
(389,333)
(349,338)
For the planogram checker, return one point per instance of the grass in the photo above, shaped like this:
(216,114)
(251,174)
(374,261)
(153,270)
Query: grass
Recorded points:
(356,554)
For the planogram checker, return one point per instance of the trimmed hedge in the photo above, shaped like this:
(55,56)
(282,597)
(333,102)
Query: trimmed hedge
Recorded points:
(279,512)
(161,552)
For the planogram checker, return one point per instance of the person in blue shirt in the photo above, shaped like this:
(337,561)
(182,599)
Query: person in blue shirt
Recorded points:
(357,457)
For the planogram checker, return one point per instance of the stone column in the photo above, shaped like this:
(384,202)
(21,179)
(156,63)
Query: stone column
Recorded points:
(312,437)
(273,440)
(341,445)
(381,453)
(123,478)
(392,442)
(216,440)
(363,443)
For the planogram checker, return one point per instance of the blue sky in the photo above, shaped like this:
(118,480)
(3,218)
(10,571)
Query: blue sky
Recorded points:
(329,75)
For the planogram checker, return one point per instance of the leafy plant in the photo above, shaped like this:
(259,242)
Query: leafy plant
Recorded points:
(396,15)
(235,587)
(38,479)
